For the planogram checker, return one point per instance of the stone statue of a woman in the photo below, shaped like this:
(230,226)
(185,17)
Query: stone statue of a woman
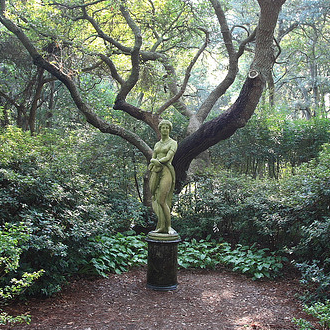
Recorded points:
(162,179)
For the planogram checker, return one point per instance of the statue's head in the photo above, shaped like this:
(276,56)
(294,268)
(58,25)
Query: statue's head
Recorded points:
(165,122)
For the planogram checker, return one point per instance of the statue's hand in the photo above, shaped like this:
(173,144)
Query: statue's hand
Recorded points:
(155,161)
(155,165)
(152,163)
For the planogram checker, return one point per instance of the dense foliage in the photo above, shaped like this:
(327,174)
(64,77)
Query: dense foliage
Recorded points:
(73,200)
(12,238)
(291,215)
(47,183)
(271,144)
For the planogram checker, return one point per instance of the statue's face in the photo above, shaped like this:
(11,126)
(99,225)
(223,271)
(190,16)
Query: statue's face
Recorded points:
(165,129)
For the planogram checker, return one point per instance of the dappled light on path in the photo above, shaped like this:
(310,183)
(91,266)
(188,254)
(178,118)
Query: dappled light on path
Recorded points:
(217,300)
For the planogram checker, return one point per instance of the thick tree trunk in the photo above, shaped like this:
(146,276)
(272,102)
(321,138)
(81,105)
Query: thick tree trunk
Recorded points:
(219,128)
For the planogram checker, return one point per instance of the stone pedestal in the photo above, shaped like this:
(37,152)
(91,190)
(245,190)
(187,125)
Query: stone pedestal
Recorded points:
(162,263)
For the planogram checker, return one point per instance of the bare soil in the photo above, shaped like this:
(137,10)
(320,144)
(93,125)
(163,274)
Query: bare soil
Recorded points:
(204,299)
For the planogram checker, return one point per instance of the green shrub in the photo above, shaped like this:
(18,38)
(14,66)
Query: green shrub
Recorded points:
(315,280)
(308,193)
(48,182)
(11,239)
(237,209)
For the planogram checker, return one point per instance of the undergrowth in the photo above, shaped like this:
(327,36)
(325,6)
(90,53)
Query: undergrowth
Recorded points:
(319,310)
(115,254)
(119,253)
(256,263)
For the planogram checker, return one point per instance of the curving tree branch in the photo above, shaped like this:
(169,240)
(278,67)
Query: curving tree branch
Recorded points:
(67,80)
(178,94)
(128,85)
(113,70)
(210,101)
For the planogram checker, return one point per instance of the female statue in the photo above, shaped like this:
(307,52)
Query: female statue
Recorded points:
(162,179)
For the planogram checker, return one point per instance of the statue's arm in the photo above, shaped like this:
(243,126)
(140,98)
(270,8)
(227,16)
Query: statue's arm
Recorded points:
(170,154)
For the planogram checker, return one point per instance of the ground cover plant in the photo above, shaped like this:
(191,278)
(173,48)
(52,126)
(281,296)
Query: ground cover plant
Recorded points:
(116,254)
(319,310)
(243,259)
(119,253)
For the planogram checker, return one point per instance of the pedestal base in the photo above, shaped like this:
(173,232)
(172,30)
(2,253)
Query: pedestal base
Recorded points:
(162,264)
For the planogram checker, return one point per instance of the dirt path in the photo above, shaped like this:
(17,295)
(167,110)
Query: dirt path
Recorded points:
(204,300)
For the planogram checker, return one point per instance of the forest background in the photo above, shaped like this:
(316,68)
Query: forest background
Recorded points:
(73,196)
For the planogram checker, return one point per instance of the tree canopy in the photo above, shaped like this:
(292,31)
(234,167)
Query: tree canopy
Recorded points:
(147,53)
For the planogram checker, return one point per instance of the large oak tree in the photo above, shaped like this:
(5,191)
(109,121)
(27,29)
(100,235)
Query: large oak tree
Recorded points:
(136,33)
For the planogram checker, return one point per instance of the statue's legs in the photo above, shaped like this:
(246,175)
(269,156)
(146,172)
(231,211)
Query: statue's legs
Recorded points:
(160,204)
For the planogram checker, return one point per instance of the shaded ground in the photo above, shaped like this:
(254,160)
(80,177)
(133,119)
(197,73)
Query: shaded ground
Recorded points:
(216,300)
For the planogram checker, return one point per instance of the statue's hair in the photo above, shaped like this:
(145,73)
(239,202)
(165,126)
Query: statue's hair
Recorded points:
(165,122)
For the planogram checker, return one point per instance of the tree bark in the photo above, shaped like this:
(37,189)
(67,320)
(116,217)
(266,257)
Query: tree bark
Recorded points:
(218,129)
